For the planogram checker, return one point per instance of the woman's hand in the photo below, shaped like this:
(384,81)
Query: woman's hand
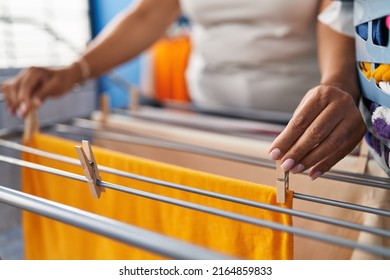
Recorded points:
(33,85)
(326,126)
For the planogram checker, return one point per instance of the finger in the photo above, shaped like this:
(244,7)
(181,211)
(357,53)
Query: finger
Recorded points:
(9,90)
(313,136)
(305,114)
(326,162)
(30,86)
(31,82)
(337,144)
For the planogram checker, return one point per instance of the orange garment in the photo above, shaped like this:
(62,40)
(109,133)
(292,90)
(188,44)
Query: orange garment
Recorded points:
(170,57)
(48,239)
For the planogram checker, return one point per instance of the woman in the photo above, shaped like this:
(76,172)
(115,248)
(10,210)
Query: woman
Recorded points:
(247,55)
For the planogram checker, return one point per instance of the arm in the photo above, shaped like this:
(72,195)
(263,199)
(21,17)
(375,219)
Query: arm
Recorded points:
(130,33)
(125,37)
(327,124)
(337,59)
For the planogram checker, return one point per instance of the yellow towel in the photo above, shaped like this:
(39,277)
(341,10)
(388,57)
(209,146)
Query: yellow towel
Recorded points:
(48,239)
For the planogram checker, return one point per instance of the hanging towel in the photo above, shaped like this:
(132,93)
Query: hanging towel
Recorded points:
(48,239)
(304,248)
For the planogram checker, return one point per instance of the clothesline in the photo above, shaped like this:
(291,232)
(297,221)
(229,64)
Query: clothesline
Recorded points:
(302,232)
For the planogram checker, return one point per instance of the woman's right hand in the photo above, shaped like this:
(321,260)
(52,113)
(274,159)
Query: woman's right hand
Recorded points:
(33,85)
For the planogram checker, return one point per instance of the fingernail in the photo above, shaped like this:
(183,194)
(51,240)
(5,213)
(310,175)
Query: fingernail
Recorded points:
(287,164)
(315,175)
(21,110)
(298,168)
(275,154)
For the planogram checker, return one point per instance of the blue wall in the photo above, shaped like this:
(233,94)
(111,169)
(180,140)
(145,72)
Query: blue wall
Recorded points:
(102,11)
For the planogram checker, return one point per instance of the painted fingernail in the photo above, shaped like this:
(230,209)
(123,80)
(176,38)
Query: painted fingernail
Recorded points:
(275,154)
(287,164)
(21,110)
(298,168)
(315,175)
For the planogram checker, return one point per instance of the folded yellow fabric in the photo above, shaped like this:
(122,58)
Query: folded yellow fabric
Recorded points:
(380,73)
(48,239)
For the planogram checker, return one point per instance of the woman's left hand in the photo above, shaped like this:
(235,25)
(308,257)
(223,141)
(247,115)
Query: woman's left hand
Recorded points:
(326,126)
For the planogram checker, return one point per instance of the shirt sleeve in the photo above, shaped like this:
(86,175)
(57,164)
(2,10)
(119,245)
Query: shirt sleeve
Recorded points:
(339,16)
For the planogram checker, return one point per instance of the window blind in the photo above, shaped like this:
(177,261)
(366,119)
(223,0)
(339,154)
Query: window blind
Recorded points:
(42,32)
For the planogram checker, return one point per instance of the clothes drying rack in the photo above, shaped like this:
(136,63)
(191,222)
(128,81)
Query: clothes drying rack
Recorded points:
(165,245)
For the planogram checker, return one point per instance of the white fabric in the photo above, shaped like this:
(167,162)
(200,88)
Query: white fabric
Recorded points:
(257,54)
(339,16)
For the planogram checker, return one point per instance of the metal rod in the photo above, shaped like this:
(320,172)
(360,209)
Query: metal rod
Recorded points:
(43,168)
(263,223)
(119,231)
(231,198)
(356,181)
(348,177)
(272,225)
(148,141)
(361,176)
(342,204)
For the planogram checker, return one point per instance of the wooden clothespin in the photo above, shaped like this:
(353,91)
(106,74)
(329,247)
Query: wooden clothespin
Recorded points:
(30,125)
(90,168)
(134,99)
(104,106)
(282,183)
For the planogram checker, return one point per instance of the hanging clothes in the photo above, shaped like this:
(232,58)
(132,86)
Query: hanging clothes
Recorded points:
(48,239)
(304,248)
(169,57)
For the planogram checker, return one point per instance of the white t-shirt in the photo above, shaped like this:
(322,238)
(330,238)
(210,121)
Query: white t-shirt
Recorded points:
(251,54)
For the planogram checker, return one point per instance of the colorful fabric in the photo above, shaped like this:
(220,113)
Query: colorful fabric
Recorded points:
(170,58)
(380,32)
(376,116)
(378,131)
(381,73)
(48,239)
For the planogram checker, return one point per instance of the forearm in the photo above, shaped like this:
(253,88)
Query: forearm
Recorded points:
(337,60)
(129,34)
